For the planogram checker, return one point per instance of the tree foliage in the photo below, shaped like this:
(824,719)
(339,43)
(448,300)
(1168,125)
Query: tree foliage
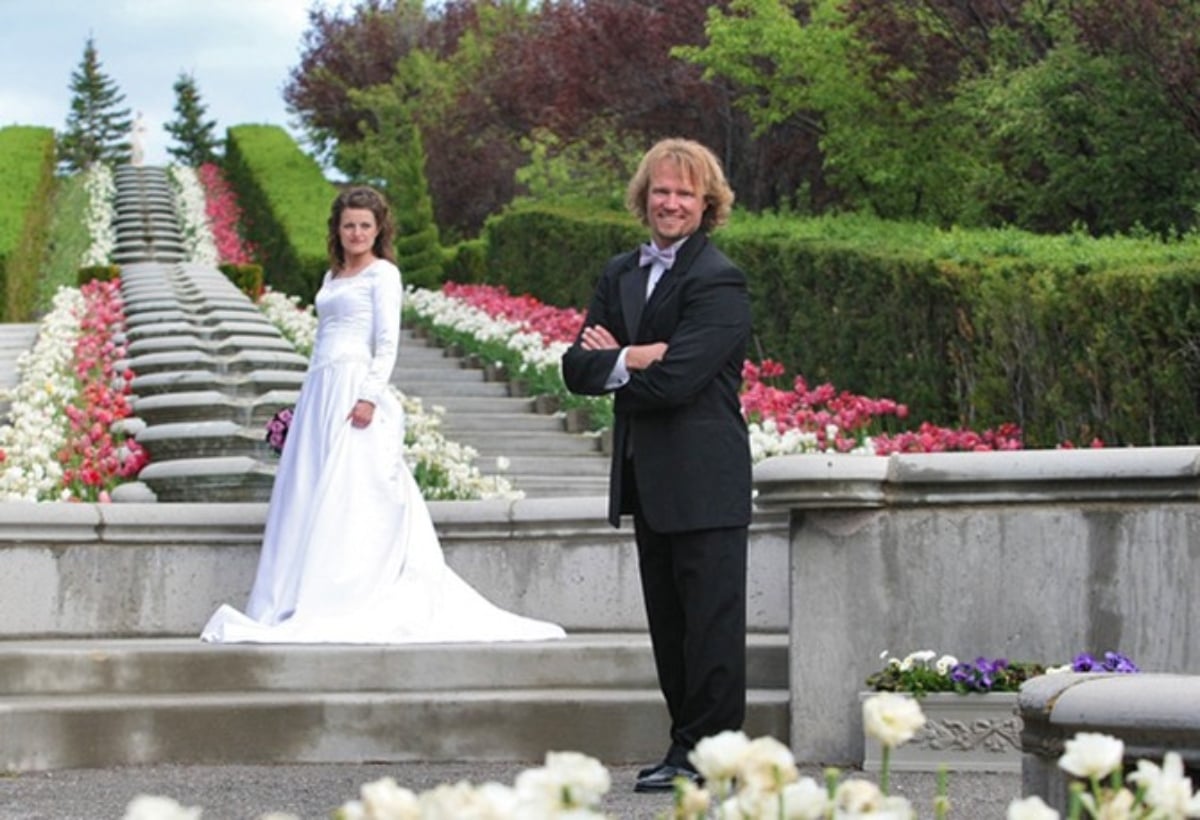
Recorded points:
(97,128)
(391,157)
(197,143)
(1042,114)
(493,82)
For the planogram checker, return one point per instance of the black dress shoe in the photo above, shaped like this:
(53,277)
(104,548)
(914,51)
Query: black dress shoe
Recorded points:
(662,778)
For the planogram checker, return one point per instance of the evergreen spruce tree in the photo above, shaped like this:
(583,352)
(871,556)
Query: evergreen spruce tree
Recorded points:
(97,127)
(391,156)
(194,135)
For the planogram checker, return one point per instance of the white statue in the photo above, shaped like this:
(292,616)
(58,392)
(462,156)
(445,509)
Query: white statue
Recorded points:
(137,149)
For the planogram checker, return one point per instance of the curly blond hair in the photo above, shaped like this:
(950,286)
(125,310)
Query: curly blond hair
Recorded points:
(698,164)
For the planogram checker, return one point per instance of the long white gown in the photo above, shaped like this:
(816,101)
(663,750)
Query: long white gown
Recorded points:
(349,553)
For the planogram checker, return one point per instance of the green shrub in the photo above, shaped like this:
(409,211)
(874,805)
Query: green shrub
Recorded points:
(1068,336)
(285,201)
(27,180)
(248,278)
(104,273)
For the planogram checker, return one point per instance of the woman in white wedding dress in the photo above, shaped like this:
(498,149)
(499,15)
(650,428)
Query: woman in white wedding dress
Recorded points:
(350,554)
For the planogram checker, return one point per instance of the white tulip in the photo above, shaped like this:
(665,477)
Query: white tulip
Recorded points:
(153,807)
(1090,754)
(1031,808)
(1168,789)
(383,799)
(719,758)
(805,799)
(767,765)
(891,718)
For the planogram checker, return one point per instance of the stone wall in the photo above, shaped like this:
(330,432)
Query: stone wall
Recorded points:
(1034,555)
(160,569)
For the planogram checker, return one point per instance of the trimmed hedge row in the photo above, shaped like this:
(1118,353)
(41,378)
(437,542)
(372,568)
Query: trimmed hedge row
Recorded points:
(285,201)
(27,180)
(1068,336)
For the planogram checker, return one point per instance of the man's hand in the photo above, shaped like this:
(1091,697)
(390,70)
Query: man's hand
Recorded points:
(639,357)
(597,337)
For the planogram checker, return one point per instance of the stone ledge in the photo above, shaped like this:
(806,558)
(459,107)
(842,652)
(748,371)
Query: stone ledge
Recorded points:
(825,481)
(1152,714)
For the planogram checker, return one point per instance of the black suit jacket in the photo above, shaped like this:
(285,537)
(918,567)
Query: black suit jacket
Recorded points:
(689,439)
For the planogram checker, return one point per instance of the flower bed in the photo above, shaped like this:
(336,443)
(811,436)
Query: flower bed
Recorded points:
(971,708)
(527,338)
(66,442)
(443,469)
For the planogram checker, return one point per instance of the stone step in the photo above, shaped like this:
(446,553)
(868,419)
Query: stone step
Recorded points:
(528,443)
(100,703)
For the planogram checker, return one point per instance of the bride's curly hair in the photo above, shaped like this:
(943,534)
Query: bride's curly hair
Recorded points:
(368,199)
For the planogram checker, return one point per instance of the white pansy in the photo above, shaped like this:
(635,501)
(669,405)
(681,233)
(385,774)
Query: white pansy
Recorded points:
(1031,808)
(945,664)
(1058,670)
(153,807)
(1091,754)
(719,757)
(892,718)
(1168,789)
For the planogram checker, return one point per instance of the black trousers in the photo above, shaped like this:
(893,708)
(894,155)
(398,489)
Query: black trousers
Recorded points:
(694,588)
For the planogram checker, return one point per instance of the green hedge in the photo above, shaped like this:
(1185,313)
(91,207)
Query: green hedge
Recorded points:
(27,180)
(285,202)
(1068,336)
(555,252)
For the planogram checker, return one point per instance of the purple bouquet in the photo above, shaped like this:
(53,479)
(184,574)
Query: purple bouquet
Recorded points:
(277,429)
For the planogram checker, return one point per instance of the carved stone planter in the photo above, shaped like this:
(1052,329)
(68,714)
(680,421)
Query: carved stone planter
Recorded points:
(966,733)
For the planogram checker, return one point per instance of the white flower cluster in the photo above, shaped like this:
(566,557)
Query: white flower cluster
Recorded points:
(568,787)
(769,785)
(101,192)
(190,205)
(424,444)
(458,477)
(924,658)
(766,440)
(298,324)
(45,385)
(457,315)
(1159,792)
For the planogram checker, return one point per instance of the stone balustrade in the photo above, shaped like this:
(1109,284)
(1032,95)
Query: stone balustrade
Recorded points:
(1026,555)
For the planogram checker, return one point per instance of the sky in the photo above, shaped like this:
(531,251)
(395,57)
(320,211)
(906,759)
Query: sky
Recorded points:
(240,53)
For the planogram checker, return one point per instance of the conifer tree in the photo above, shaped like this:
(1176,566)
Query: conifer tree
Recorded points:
(97,127)
(391,156)
(194,134)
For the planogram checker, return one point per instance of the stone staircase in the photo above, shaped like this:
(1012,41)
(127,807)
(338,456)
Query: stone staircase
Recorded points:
(100,703)
(542,459)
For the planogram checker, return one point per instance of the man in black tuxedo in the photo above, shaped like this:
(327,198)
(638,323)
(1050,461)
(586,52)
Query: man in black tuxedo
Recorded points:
(666,332)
